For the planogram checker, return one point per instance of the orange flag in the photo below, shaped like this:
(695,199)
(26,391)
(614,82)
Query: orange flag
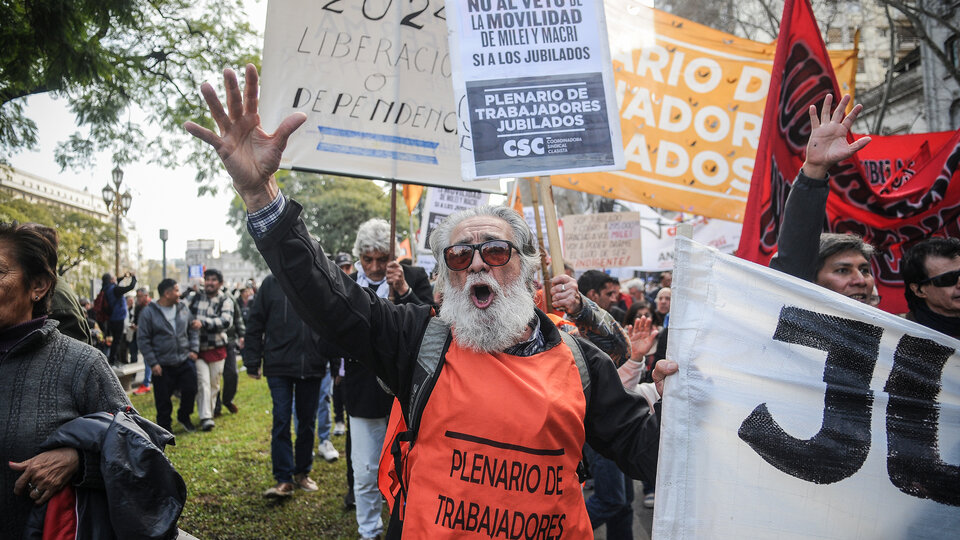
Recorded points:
(411,194)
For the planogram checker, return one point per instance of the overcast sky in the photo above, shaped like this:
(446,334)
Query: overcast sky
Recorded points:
(162,198)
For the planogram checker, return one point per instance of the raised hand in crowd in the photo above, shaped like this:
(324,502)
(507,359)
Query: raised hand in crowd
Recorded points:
(828,144)
(565,295)
(250,154)
(395,278)
(643,336)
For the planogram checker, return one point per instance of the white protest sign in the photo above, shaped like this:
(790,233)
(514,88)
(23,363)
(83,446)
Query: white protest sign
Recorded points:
(373,77)
(607,240)
(534,84)
(440,204)
(800,413)
(531,218)
(659,236)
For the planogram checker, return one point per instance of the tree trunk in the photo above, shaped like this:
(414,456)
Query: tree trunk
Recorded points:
(884,101)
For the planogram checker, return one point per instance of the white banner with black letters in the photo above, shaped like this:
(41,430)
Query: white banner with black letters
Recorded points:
(534,84)
(800,413)
(373,77)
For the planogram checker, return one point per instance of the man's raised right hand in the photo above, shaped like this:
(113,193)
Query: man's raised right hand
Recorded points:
(250,154)
(828,145)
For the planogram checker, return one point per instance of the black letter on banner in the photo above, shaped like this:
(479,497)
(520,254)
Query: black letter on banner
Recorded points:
(913,416)
(841,446)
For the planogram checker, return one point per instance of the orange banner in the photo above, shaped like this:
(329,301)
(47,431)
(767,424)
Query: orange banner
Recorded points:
(691,106)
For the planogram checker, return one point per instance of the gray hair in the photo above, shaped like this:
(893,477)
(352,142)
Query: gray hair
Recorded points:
(523,238)
(373,235)
(833,243)
(633,283)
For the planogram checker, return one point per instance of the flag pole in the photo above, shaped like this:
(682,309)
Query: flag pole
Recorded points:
(513,193)
(393,228)
(393,220)
(543,261)
(553,230)
(413,243)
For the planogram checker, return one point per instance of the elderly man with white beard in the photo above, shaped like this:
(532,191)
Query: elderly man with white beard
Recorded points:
(500,437)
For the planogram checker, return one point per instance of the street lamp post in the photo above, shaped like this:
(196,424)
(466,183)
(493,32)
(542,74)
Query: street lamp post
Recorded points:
(117,204)
(163,238)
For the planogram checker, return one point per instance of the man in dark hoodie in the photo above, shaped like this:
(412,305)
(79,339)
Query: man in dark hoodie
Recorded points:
(168,347)
(281,347)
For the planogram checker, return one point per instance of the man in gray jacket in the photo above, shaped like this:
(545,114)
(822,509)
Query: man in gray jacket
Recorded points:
(169,347)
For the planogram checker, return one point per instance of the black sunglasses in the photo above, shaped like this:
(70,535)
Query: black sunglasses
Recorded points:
(946,279)
(493,252)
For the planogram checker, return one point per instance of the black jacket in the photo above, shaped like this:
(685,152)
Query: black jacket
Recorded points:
(142,494)
(420,290)
(386,338)
(804,214)
(362,394)
(278,339)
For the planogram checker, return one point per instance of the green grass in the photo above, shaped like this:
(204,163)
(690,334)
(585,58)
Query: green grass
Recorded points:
(226,471)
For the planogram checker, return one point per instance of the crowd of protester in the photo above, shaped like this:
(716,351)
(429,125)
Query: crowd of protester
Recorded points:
(352,332)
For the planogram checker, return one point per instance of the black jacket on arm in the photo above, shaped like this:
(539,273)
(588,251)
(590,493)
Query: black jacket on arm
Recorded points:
(798,243)
(277,338)
(386,338)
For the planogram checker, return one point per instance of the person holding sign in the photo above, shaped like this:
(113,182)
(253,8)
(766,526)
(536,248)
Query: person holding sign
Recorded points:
(502,430)
(837,262)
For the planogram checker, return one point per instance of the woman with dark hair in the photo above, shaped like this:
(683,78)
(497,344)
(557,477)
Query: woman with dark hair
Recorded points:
(46,380)
(638,309)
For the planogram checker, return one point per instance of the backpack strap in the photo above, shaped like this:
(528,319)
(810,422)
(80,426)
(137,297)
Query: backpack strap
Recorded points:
(581,362)
(433,346)
(436,340)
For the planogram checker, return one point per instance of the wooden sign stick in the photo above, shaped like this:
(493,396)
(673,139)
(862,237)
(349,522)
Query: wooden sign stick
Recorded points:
(543,262)
(393,220)
(553,230)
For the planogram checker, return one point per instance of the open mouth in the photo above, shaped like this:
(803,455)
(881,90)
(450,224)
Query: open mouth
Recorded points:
(859,297)
(481,295)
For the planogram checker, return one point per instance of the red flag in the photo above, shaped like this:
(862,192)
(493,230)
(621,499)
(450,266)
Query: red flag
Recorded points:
(894,193)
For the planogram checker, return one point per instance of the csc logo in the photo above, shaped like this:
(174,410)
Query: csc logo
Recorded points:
(523,147)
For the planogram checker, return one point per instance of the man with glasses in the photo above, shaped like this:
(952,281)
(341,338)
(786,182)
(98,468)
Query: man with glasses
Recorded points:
(501,435)
(931,282)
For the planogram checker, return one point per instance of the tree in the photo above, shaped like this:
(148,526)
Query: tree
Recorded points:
(927,19)
(152,273)
(83,238)
(113,60)
(333,209)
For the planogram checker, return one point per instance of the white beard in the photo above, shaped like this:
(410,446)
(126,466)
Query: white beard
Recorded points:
(501,325)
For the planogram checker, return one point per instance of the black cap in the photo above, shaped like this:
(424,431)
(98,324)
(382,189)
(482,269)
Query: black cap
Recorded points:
(342,259)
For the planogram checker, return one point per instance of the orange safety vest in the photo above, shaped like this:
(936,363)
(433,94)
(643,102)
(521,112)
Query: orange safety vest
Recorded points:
(498,448)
